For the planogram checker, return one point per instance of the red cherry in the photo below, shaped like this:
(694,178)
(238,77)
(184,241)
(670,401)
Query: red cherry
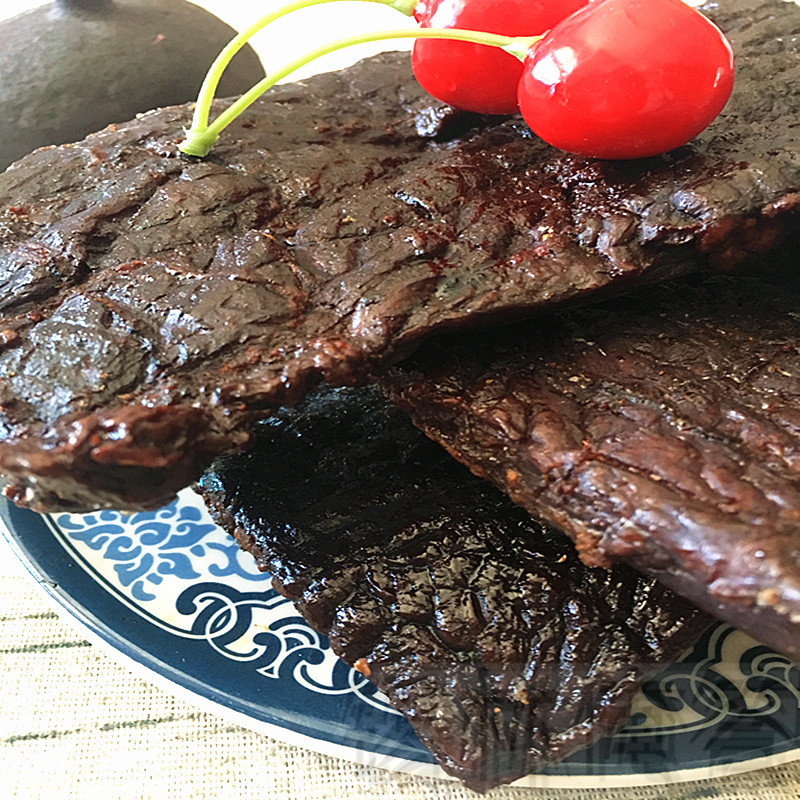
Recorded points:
(626,78)
(475,77)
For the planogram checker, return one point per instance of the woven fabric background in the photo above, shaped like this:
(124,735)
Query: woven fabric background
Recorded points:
(75,725)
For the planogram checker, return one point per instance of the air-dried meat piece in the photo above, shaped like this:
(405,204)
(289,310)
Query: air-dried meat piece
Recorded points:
(483,627)
(664,433)
(154,305)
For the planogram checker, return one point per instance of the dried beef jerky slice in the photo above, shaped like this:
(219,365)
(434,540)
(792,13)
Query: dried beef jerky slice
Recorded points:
(664,433)
(154,306)
(483,627)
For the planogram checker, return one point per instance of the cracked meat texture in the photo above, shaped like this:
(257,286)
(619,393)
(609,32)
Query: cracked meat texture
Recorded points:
(153,306)
(666,435)
(482,626)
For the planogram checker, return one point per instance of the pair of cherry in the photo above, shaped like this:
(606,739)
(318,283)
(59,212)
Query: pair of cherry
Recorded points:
(602,78)
(609,78)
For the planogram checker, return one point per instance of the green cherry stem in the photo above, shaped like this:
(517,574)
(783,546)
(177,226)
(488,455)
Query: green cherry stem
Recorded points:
(212,79)
(200,139)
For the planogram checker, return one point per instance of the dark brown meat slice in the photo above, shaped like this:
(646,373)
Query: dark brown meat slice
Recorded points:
(665,433)
(155,305)
(503,650)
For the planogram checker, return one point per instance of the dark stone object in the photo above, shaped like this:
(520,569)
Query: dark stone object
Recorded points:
(483,627)
(665,434)
(156,305)
(73,66)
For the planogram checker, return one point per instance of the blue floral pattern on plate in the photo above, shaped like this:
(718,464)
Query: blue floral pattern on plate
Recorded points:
(176,567)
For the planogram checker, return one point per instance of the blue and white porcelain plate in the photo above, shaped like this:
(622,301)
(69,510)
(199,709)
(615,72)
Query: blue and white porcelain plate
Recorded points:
(169,591)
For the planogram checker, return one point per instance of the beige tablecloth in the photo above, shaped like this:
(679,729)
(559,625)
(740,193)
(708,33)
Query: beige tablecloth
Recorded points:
(76,725)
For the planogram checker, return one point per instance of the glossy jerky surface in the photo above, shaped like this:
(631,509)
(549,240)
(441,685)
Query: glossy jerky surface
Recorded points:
(665,434)
(483,627)
(154,306)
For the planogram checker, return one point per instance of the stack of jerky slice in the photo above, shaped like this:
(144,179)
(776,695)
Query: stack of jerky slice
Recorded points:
(155,307)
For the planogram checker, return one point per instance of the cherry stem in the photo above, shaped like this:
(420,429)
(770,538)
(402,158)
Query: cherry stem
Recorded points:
(200,140)
(212,79)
